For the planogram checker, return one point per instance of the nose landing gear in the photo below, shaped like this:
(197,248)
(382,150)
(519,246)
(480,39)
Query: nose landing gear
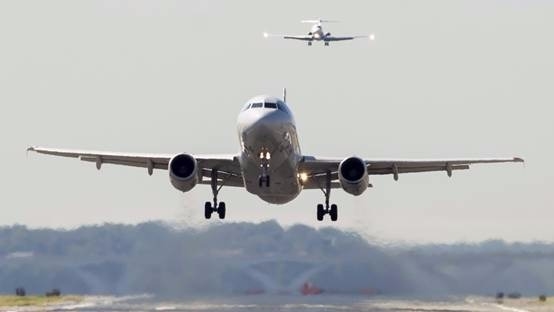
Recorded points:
(332,210)
(263,178)
(219,208)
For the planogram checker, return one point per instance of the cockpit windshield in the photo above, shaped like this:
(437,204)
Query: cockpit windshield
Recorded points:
(271,105)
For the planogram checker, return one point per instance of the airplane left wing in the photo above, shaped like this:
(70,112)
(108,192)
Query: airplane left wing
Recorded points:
(332,38)
(227,166)
(317,168)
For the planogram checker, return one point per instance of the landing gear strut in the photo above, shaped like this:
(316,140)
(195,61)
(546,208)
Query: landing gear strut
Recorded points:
(263,179)
(332,210)
(219,208)
(309,43)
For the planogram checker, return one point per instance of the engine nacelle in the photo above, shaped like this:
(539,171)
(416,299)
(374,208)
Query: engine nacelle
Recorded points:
(327,34)
(353,175)
(183,172)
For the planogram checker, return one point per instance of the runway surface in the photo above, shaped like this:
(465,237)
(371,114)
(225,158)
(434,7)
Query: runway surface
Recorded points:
(270,303)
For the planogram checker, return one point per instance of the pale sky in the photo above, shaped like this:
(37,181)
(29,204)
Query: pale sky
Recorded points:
(444,79)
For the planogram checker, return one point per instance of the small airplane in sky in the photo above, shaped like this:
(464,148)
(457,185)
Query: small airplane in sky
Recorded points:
(316,33)
(270,163)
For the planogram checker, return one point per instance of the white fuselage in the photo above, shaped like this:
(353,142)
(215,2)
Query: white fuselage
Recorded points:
(317,32)
(266,127)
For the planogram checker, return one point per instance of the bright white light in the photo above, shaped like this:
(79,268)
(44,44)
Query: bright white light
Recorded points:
(372,37)
(303,176)
(266,35)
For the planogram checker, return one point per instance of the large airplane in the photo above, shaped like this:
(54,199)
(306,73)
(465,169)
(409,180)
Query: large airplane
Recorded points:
(270,163)
(316,33)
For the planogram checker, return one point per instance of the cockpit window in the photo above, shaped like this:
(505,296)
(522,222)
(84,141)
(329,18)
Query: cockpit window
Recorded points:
(281,106)
(257,105)
(271,105)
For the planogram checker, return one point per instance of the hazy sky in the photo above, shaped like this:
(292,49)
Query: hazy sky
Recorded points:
(443,79)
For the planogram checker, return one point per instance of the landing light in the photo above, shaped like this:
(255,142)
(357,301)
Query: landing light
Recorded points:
(303,176)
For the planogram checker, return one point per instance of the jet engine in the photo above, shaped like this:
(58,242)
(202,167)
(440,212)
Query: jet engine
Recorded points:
(327,34)
(183,172)
(353,175)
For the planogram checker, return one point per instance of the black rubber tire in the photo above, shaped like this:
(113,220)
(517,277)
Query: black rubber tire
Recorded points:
(208,210)
(320,212)
(263,181)
(221,210)
(333,212)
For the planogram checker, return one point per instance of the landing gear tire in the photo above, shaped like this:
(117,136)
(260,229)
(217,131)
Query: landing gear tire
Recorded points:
(211,207)
(326,43)
(208,210)
(333,212)
(221,210)
(320,212)
(309,43)
(263,181)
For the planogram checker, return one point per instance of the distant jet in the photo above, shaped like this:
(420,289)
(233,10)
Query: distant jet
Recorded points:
(317,34)
(270,163)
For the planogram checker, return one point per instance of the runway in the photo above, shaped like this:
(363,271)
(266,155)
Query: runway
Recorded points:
(272,303)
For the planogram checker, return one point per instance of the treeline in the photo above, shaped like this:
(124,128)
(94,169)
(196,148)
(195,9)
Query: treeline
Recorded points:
(156,258)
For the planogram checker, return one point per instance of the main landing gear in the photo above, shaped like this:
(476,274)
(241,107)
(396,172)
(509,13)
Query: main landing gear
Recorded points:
(216,207)
(323,210)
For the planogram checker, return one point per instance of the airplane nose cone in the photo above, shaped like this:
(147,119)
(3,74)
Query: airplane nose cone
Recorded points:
(268,118)
(263,121)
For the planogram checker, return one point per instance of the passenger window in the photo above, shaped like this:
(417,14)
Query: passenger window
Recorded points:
(257,105)
(271,105)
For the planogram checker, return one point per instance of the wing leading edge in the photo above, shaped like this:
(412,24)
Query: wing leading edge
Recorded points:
(317,168)
(303,38)
(331,38)
(229,170)
(328,38)
(227,166)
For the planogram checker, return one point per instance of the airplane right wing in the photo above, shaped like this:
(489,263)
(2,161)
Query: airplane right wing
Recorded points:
(227,166)
(300,37)
(303,37)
